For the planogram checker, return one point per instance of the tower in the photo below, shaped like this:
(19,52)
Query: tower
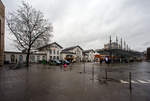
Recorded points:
(110,42)
(124,45)
(121,44)
(117,42)
(127,47)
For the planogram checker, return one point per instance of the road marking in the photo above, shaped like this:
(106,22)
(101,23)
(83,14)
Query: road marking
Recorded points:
(148,81)
(136,81)
(133,81)
(141,81)
(122,81)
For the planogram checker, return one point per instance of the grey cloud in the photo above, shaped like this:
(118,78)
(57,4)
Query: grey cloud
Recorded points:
(146,43)
(90,22)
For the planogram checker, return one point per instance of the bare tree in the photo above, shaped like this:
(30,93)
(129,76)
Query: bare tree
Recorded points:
(29,28)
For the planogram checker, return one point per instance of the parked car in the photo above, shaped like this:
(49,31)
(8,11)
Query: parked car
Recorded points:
(57,62)
(54,62)
(64,61)
(67,62)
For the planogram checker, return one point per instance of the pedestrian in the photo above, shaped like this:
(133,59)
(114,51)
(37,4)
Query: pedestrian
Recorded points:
(16,61)
(106,60)
(65,66)
(101,61)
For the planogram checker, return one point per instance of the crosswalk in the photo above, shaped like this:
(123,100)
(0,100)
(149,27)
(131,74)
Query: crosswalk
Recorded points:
(136,81)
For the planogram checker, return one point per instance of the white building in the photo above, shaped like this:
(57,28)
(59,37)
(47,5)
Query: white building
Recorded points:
(48,52)
(51,50)
(89,55)
(15,57)
(75,51)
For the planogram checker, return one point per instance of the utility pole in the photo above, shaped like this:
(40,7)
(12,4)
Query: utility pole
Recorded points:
(130,83)
(93,72)
(84,67)
(110,47)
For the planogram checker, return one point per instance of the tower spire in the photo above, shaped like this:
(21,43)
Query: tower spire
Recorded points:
(124,45)
(117,42)
(110,42)
(110,38)
(116,39)
(121,43)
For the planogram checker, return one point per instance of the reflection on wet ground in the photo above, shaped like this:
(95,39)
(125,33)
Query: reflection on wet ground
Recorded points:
(52,83)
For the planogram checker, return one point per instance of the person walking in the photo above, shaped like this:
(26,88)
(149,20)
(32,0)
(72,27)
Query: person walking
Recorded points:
(106,60)
(65,66)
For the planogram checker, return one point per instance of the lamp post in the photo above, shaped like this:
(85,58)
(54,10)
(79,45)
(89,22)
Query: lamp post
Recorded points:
(110,49)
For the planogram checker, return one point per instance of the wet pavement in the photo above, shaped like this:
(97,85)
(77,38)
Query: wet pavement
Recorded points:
(51,83)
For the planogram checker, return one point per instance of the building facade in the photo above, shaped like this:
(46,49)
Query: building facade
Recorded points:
(89,55)
(52,51)
(2,32)
(148,54)
(70,56)
(113,45)
(16,57)
(77,51)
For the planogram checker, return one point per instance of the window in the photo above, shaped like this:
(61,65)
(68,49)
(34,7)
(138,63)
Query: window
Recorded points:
(50,51)
(58,57)
(12,58)
(38,58)
(51,57)
(54,57)
(20,58)
(43,58)
(58,52)
(32,57)
(54,51)
(77,51)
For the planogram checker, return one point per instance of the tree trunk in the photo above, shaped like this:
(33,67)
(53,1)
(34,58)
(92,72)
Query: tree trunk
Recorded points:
(27,58)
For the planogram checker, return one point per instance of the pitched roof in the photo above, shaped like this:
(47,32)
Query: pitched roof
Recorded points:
(50,45)
(70,48)
(87,51)
(1,3)
(67,52)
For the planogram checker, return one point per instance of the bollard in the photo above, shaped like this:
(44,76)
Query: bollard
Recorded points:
(100,68)
(84,67)
(70,67)
(106,73)
(130,83)
(93,72)
(61,67)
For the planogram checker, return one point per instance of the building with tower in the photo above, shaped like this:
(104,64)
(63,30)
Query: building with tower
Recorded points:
(116,45)
(112,45)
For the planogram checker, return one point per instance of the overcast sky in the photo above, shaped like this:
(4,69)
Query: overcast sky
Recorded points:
(89,23)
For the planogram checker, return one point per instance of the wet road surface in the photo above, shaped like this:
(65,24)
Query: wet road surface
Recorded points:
(51,83)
